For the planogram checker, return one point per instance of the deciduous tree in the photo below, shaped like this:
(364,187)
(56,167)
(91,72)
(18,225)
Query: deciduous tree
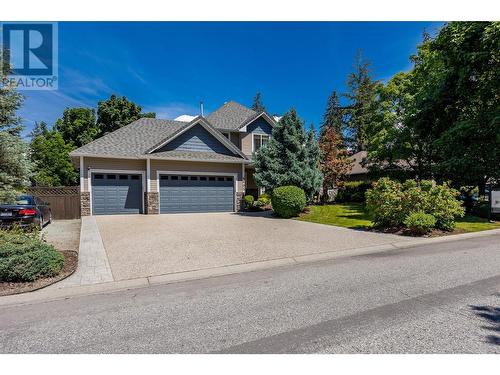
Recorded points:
(335,161)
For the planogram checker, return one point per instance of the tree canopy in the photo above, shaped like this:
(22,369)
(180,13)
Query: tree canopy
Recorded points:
(333,118)
(77,126)
(442,117)
(50,156)
(118,111)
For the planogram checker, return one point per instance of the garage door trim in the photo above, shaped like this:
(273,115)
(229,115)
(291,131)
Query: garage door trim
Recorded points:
(196,173)
(115,171)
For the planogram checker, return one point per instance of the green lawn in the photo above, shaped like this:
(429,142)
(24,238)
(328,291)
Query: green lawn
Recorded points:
(353,215)
(475,224)
(349,215)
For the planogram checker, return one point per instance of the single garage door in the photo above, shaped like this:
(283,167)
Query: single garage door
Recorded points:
(180,193)
(114,193)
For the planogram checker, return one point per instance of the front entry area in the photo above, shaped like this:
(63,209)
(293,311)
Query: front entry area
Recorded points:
(196,193)
(116,193)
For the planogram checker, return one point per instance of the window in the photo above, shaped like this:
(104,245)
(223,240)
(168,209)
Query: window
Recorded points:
(203,178)
(111,177)
(193,178)
(174,177)
(259,140)
(184,178)
(164,177)
(98,176)
(220,178)
(123,177)
(134,177)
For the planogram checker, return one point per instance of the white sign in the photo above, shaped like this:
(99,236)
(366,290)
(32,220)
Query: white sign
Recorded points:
(495,201)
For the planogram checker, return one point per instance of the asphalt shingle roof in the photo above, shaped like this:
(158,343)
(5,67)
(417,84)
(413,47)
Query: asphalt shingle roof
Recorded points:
(134,139)
(231,116)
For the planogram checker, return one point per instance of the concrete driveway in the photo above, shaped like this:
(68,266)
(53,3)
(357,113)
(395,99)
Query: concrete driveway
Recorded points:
(148,245)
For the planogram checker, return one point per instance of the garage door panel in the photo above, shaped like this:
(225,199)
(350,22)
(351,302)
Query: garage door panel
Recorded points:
(196,194)
(116,194)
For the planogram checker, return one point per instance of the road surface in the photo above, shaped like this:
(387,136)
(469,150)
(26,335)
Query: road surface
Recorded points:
(437,298)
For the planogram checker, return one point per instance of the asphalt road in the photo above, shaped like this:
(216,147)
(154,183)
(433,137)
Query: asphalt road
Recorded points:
(440,298)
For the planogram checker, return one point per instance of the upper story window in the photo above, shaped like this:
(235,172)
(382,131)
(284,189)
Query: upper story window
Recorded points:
(259,140)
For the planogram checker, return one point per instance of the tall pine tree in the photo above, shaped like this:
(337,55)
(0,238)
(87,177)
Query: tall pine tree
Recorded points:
(258,105)
(314,177)
(333,117)
(288,158)
(363,105)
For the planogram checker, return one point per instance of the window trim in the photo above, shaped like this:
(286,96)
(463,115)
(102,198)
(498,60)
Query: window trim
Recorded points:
(260,135)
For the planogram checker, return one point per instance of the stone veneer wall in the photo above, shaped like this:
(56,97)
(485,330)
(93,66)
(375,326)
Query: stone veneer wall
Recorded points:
(151,203)
(239,201)
(85,203)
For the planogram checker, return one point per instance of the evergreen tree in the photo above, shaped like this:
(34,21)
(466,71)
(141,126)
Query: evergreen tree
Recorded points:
(285,159)
(363,105)
(334,115)
(14,166)
(313,176)
(257,104)
(10,102)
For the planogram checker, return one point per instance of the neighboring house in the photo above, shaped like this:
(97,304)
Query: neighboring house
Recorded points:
(156,166)
(358,172)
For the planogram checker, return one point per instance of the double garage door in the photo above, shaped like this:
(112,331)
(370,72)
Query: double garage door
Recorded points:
(114,193)
(182,193)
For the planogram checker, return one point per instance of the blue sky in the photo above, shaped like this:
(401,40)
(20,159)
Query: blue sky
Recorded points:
(169,67)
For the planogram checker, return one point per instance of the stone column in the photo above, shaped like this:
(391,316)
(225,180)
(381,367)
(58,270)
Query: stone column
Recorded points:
(239,201)
(85,203)
(151,203)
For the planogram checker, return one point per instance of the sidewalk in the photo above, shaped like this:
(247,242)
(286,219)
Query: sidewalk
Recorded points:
(51,293)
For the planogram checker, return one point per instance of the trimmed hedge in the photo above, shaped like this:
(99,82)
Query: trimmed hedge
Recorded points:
(353,191)
(26,257)
(288,201)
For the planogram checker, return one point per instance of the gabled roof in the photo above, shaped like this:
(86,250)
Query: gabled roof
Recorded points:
(142,137)
(203,122)
(132,140)
(231,116)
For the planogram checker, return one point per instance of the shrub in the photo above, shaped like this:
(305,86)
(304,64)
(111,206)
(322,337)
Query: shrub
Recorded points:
(288,201)
(249,199)
(265,199)
(353,191)
(443,204)
(385,203)
(26,257)
(391,203)
(481,208)
(419,222)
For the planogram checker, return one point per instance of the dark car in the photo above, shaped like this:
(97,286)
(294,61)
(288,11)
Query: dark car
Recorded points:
(27,210)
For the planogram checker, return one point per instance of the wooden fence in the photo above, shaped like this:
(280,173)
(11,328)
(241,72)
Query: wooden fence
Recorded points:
(64,201)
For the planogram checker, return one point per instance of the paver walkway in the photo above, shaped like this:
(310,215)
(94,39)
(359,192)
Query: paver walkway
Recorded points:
(93,265)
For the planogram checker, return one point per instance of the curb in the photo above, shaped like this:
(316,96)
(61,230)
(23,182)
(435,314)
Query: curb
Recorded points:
(46,295)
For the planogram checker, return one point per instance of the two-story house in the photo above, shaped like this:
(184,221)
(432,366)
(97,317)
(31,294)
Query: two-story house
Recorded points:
(156,166)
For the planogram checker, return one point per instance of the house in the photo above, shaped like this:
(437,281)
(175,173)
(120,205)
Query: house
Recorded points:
(359,171)
(155,166)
